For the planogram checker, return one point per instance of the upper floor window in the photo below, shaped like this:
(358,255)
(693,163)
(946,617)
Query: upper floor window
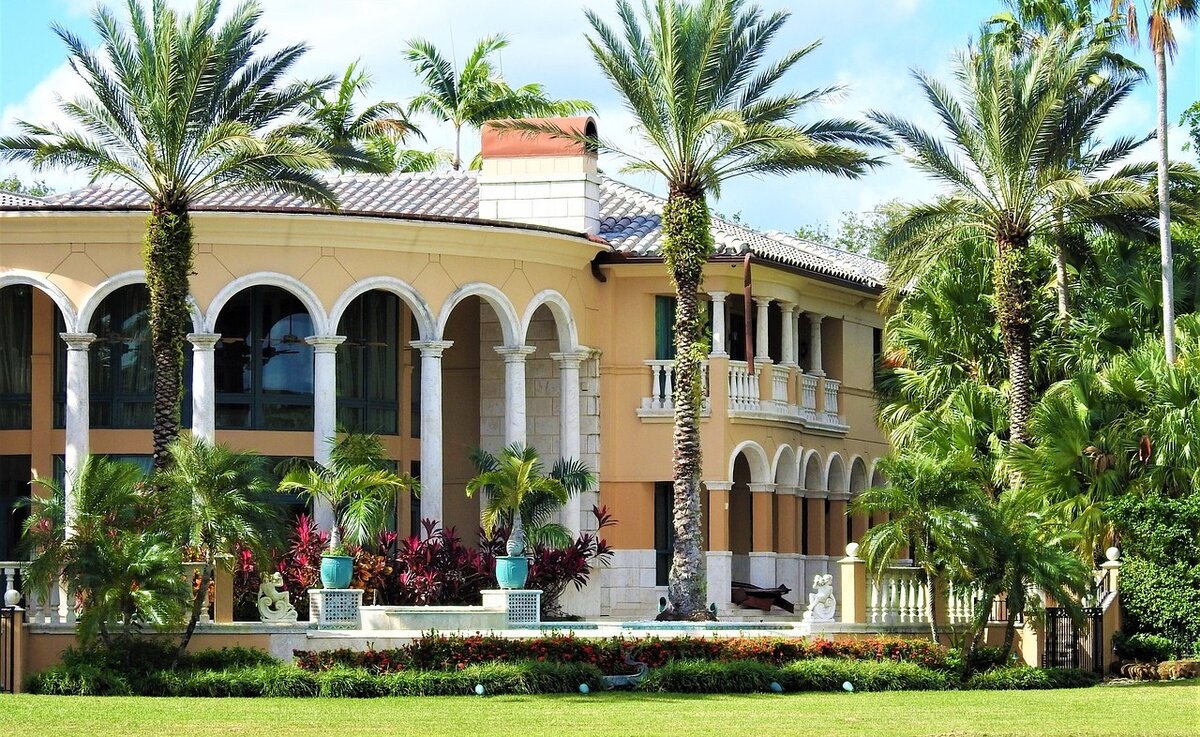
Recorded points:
(263,366)
(16,357)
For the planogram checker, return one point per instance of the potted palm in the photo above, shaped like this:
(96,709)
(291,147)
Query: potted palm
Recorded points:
(360,489)
(521,495)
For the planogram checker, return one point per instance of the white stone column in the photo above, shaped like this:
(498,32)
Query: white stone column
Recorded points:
(762,353)
(569,441)
(814,343)
(78,415)
(324,411)
(204,396)
(514,391)
(796,331)
(788,349)
(718,326)
(431,426)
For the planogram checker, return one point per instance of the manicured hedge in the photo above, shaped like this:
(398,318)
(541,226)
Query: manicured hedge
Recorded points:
(449,652)
(1026,678)
(819,674)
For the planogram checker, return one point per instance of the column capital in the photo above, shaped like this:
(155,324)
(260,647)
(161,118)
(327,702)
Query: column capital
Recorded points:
(570,359)
(762,488)
(203,341)
(787,490)
(839,496)
(77,341)
(787,307)
(718,485)
(515,353)
(815,493)
(325,343)
(718,296)
(814,317)
(432,348)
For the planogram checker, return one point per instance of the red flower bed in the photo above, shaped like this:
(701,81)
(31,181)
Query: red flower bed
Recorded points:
(440,652)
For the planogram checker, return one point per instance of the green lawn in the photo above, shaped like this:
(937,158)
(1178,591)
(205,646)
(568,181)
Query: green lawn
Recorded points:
(1153,709)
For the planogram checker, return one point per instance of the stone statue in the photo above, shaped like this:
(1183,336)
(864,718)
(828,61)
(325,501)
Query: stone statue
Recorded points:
(274,605)
(821,602)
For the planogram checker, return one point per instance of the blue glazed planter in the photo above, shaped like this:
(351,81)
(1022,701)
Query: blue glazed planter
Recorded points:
(336,571)
(511,571)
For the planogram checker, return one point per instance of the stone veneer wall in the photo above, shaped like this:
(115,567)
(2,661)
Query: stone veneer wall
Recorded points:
(541,386)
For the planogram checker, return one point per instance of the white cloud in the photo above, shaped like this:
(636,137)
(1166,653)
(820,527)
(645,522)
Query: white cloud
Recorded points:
(40,106)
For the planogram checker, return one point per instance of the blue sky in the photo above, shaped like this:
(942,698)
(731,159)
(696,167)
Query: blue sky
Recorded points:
(868,46)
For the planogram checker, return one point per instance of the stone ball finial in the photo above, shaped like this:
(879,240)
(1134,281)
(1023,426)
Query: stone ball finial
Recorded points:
(12,597)
(1113,554)
(852,550)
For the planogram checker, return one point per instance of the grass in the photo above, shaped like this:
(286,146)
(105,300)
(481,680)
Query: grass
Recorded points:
(1149,709)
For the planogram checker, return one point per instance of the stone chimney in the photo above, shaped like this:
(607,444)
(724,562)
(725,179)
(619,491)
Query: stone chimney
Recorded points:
(541,179)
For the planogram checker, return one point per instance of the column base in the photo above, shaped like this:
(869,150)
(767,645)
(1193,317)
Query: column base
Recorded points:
(719,573)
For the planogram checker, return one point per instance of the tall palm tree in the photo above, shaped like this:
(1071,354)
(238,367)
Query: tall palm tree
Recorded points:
(695,78)
(477,93)
(180,108)
(1159,17)
(1002,169)
(218,503)
(355,140)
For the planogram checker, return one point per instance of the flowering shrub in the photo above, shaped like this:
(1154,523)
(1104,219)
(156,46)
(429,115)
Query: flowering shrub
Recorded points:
(441,652)
(440,569)
(299,564)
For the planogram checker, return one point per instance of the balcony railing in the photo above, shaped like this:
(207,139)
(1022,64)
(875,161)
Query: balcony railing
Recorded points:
(808,396)
(661,402)
(743,387)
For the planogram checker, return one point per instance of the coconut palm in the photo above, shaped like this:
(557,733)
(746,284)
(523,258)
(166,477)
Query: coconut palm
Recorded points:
(218,503)
(1159,17)
(1002,166)
(355,140)
(180,108)
(477,93)
(522,495)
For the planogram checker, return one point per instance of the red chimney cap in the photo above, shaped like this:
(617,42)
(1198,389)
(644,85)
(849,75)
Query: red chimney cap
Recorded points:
(508,143)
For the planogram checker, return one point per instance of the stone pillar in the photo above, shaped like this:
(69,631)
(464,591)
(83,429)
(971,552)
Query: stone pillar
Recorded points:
(788,357)
(762,353)
(568,433)
(796,346)
(718,560)
(836,540)
(815,499)
(1111,619)
(762,540)
(786,520)
(853,601)
(78,416)
(814,347)
(204,394)
(324,412)
(718,324)
(431,427)
(514,391)
(223,585)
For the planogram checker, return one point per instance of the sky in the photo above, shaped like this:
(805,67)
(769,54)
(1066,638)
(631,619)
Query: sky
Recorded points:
(868,46)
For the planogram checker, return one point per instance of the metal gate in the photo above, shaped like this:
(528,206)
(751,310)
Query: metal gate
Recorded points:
(8,650)
(1069,645)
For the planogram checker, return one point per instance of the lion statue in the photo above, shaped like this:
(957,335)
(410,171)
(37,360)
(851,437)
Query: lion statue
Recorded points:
(274,605)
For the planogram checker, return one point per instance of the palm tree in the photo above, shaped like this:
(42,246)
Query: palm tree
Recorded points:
(180,109)
(218,503)
(477,93)
(355,140)
(1162,43)
(695,78)
(1002,168)
(521,494)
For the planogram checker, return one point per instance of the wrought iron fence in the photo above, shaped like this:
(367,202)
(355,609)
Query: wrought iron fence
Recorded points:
(1074,645)
(8,649)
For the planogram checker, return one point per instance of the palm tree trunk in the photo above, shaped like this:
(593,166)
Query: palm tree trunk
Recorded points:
(1014,295)
(931,604)
(457,147)
(198,600)
(1060,266)
(167,252)
(685,223)
(1164,209)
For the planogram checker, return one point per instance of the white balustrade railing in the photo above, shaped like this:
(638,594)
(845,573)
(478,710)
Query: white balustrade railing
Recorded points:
(743,387)
(831,399)
(662,386)
(779,386)
(808,396)
(898,597)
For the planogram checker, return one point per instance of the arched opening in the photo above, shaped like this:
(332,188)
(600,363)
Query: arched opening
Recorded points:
(543,386)
(857,523)
(741,518)
(835,507)
(812,521)
(263,368)
(786,516)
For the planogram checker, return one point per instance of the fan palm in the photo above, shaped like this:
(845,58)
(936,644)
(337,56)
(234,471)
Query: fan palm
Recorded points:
(179,108)
(477,93)
(1008,129)
(355,140)
(520,493)
(695,79)
(218,504)
(1160,15)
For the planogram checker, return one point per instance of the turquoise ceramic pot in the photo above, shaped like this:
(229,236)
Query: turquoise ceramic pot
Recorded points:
(336,571)
(511,571)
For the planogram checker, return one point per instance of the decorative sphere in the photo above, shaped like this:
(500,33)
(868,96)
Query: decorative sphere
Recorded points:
(1112,553)
(852,550)
(12,597)
(847,686)
(479,689)
(776,687)
(584,688)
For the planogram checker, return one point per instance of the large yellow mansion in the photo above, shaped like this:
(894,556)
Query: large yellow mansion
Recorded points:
(444,311)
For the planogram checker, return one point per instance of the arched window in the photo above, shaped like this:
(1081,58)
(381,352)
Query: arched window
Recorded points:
(368,365)
(263,366)
(16,357)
